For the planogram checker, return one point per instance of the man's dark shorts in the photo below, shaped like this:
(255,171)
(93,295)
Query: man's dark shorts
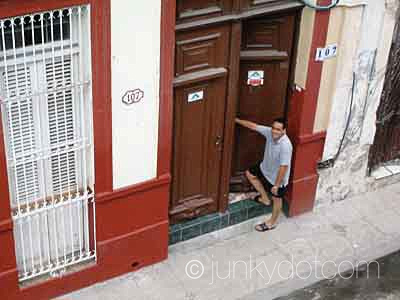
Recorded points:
(256,171)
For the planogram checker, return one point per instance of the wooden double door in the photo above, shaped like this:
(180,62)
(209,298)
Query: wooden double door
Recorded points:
(212,80)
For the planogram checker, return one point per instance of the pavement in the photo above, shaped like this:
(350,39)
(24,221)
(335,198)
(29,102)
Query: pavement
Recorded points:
(380,281)
(240,263)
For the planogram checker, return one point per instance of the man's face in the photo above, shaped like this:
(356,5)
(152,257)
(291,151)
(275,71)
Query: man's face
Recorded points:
(277,130)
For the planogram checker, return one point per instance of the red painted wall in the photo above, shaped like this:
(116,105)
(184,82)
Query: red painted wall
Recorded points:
(132,231)
(308,146)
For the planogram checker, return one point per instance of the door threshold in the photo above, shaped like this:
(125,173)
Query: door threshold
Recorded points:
(237,212)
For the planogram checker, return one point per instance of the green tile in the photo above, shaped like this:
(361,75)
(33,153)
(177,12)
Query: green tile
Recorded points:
(250,203)
(191,232)
(225,220)
(191,222)
(237,212)
(211,225)
(256,211)
(236,206)
(175,237)
(174,227)
(238,217)
(198,220)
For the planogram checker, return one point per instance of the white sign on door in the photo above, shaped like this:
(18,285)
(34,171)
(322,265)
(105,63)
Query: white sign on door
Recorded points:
(196,96)
(255,78)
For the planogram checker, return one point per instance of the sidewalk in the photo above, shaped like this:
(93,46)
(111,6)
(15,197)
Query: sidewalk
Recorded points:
(239,263)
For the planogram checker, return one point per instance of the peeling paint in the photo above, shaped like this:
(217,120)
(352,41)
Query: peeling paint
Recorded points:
(349,177)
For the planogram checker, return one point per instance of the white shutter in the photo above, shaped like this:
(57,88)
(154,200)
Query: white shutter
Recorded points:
(60,107)
(46,100)
(20,129)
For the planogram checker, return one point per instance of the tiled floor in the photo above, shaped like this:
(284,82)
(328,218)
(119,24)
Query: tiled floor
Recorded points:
(241,209)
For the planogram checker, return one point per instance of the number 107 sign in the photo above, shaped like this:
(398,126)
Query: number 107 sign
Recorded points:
(327,52)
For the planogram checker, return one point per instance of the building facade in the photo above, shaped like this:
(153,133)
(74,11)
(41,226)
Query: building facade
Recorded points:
(117,121)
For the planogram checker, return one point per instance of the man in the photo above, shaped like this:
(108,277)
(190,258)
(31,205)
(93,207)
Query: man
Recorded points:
(271,176)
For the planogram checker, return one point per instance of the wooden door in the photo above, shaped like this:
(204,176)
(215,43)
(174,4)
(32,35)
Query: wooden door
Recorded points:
(198,122)
(266,49)
(199,108)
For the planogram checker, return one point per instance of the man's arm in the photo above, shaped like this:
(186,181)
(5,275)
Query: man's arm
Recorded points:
(281,174)
(263,130)
(247,124)
(285,158)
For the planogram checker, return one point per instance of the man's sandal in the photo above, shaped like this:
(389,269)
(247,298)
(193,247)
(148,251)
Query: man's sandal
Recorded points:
(264,227)
(257,199)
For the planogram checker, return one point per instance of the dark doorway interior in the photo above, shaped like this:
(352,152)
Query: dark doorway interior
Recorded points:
(267,49)
(386,146)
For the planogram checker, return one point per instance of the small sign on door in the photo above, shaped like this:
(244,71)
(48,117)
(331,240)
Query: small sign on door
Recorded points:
(195,96)
(255,78)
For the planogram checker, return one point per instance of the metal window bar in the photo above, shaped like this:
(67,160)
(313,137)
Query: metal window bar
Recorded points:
(45,100)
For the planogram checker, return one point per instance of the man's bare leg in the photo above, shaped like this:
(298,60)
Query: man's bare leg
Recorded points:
(276,210)
(259,187)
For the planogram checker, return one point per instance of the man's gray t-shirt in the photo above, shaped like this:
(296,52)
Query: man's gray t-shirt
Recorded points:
(277,153)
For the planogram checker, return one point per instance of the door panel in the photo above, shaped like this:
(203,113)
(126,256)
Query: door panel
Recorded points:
(266,47)
(263,34)
(198,137)
(201,49)
(269,33)
(250,4)
(191,10)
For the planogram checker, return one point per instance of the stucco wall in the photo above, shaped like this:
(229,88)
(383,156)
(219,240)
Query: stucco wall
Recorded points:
(304,46)
(135,50)
(363,30)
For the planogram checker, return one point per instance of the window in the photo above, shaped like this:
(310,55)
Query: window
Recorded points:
(45,95)
(48,21)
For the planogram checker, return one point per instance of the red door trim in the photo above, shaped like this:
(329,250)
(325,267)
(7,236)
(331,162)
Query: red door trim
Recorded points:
(166,91)
(308,146)
(102,105)
(313,83)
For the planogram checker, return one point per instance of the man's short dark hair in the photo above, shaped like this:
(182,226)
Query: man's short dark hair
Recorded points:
(281,121)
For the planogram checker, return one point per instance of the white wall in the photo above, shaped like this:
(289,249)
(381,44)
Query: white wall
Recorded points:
(365,40)
(135,50)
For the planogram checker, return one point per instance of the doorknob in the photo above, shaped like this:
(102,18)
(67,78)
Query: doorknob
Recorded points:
(218,140)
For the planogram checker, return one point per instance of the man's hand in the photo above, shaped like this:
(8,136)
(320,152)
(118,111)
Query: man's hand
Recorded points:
(274,190)
(279,178)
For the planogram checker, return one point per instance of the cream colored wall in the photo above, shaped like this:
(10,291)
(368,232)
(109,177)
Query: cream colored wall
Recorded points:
(135,50)
(345,31)
(304,46)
